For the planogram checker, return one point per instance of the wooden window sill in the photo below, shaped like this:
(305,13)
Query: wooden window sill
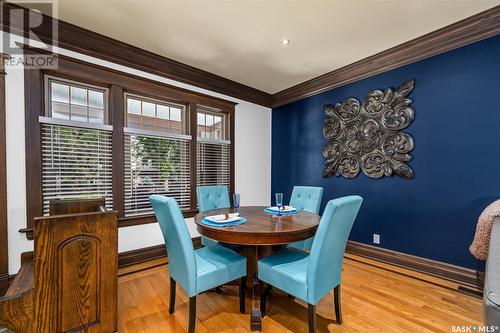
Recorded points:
(123,222)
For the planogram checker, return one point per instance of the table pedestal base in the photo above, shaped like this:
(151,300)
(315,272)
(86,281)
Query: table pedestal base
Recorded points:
(253,253)
(256,314)
(260,228)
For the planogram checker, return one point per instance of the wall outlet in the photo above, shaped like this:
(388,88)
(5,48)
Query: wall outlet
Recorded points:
(376,238)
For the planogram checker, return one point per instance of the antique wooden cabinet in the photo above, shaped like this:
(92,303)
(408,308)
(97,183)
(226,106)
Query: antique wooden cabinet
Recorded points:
(72,285)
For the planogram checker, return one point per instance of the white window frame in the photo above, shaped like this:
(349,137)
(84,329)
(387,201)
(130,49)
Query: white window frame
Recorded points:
(184,116)
(48,98)
(225,128)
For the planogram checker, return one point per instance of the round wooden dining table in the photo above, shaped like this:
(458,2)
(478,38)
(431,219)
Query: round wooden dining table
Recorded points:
(260,236)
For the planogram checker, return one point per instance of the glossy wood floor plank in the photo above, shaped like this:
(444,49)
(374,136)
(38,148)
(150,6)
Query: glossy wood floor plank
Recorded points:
(373,299)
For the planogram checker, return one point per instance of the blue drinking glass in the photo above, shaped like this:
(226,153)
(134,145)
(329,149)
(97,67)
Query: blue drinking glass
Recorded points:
(236,201)
(279,202)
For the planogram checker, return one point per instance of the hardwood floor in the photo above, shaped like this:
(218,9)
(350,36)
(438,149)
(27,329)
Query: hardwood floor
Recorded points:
(374,299)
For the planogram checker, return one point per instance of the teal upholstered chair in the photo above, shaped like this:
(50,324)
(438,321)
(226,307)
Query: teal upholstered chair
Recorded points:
(210,198)
(310,276)
(306,198)
(196,271)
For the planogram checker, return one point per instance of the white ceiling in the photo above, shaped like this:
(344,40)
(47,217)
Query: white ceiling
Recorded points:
(240,40)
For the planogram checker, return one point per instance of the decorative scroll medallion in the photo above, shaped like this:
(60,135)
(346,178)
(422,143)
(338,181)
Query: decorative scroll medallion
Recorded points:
(369,136)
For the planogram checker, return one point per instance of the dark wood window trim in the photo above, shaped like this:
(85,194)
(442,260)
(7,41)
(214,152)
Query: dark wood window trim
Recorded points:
(118,83)
(4,246)
(117,118)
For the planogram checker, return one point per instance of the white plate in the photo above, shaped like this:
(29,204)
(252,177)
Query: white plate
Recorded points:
(221,218)
(283,209)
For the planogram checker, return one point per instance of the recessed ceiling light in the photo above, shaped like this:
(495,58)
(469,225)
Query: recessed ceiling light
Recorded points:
(285,41)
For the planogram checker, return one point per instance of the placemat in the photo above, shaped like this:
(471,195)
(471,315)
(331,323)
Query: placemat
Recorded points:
(228,224)
(293,212)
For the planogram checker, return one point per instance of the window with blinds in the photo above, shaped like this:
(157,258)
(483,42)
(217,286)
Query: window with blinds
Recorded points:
(157,154)
(213,151)
(76,144)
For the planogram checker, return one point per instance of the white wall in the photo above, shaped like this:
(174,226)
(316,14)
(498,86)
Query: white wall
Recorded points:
(252,160)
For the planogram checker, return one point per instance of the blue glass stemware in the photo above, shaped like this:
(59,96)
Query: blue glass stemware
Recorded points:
(279,202)
(236,201)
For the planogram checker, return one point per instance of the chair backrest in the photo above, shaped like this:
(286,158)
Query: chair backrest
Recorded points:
(327,252)
(181,258)
(212,197)
(307,198)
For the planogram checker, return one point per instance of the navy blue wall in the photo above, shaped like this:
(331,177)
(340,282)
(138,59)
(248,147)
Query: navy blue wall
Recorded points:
(456,157)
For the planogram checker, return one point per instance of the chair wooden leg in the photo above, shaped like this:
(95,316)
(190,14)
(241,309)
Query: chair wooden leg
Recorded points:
(337,301)
(263,301)
(171,305)
(269,288)
(243,284)
(311,317)
(192,314)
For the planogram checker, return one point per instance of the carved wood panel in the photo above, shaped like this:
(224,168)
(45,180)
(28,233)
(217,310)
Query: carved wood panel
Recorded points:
(368,136)
(79,277)
(76,273)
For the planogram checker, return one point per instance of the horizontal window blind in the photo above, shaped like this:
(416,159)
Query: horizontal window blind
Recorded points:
(155,165)
(76,163)
(213,162)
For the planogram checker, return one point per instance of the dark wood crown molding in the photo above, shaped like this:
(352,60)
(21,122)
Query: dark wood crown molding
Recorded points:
(84,41)
(74,38)
(472,29)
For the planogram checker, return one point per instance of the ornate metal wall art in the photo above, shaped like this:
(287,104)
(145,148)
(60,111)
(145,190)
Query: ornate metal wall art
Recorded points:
(369,136)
